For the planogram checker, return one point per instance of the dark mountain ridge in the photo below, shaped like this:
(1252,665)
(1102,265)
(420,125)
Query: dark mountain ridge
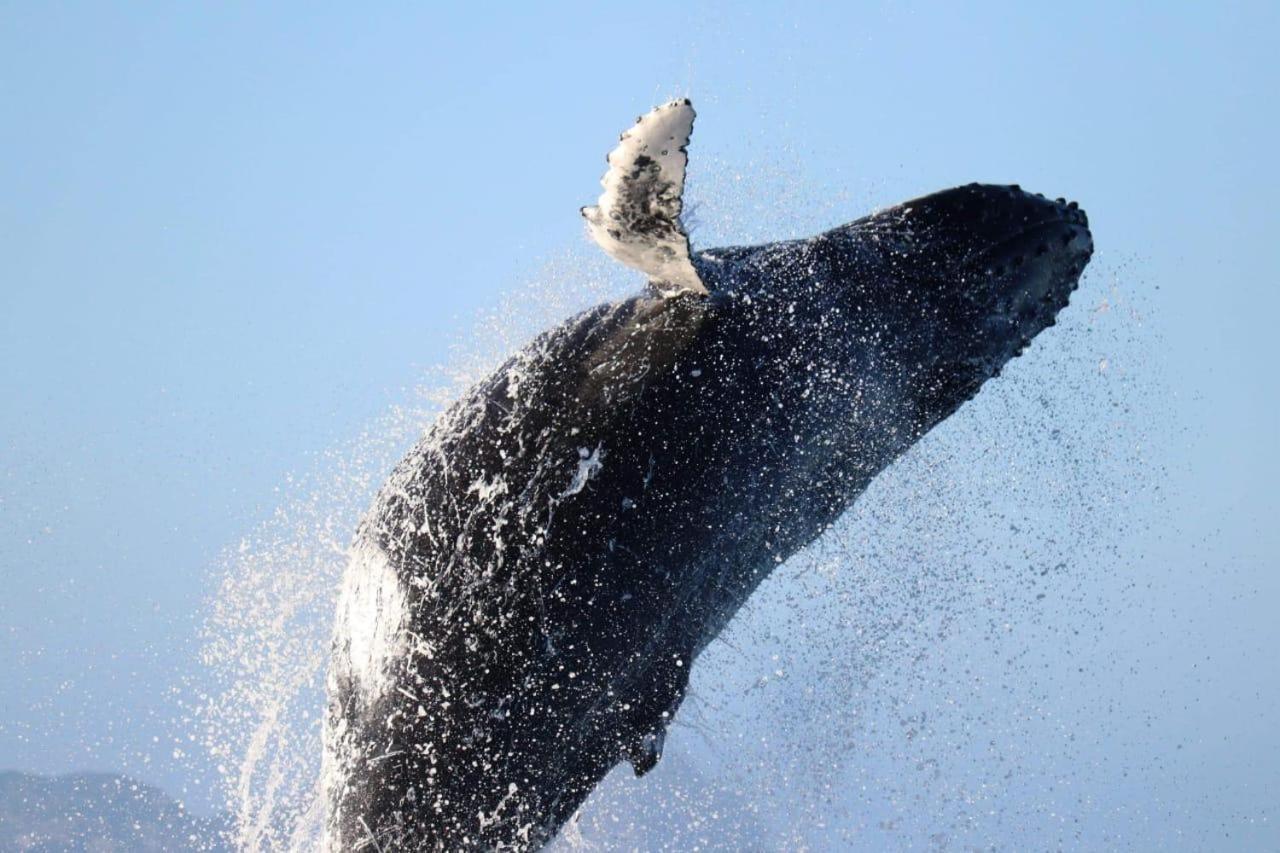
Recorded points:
(99,813)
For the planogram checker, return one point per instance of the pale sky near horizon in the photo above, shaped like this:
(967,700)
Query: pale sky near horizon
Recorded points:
(231,235)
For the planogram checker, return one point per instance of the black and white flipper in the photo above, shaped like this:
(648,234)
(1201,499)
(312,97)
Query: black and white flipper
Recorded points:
(637,219)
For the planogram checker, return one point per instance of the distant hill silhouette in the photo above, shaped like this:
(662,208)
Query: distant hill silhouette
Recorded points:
(98,813)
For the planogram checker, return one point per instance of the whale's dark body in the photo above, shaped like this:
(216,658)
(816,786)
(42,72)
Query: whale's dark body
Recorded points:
(569,536)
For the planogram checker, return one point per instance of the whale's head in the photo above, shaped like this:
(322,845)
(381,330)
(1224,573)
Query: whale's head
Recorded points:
(953,285)
(928,298)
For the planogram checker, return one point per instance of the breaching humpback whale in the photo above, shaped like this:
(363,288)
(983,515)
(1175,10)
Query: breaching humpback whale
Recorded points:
(531,586)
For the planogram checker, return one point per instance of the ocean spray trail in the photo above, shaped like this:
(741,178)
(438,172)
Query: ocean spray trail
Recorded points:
(892,578)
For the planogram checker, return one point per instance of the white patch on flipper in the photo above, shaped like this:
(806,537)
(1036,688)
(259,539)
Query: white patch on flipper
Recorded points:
(371,612)
(637,219)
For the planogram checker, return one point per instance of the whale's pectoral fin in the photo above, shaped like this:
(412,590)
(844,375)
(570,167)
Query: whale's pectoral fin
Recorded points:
(644,753)
(652,711)
(637,219)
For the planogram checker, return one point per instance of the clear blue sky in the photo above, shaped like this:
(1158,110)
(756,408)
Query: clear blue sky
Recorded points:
(231,234)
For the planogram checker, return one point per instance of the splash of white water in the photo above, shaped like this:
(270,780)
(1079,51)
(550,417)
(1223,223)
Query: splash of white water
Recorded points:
(267,635)
(855,661)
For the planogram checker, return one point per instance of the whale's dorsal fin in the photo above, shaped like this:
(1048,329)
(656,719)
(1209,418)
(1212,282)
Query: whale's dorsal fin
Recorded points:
(637,219)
